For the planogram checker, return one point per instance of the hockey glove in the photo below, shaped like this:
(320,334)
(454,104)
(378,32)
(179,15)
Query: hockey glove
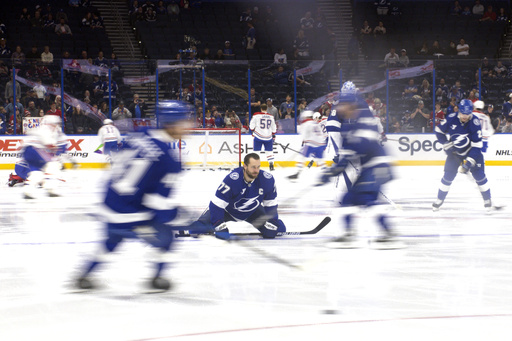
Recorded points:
(484,147)
(466,166)
(270,228)
(221,231)
(274,137)
(448,148)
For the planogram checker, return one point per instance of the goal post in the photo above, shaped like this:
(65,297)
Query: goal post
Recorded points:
(210,148)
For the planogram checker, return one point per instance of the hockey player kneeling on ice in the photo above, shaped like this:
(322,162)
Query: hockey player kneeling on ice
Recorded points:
(39,166)
(141,200)
(360,145)
(314,140)
(461,136)
(246,194)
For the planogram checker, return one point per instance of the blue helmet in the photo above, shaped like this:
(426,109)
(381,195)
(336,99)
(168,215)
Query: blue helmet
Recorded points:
(348,88)
(466,107)
(170,112)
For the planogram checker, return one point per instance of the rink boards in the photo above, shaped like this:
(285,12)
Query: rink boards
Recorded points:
(406,149)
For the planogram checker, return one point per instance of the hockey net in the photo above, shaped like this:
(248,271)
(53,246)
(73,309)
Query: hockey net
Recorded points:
(212,148)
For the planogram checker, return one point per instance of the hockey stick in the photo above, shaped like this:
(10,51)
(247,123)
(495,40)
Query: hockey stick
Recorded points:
(266,254)
(315,230)
(285,147)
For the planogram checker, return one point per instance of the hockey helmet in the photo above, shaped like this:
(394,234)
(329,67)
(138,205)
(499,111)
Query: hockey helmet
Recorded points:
(51,120)
(348,88)
(306,114)
(479,105)
(317,115)
(171,112)
(466,107)
(107,121)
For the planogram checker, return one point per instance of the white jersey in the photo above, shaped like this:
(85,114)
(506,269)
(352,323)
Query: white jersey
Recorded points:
(322,124)
(109,133)
(263,126)
(485,122)
(312,134)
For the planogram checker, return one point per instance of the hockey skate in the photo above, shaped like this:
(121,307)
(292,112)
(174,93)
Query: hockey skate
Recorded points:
(14,179)
(271,165)
(347,241)
(85,284)
(161,284)
(436,205)
(387,242)
(490,208)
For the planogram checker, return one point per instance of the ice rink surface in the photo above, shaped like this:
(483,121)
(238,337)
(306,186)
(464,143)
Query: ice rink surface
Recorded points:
(452,281)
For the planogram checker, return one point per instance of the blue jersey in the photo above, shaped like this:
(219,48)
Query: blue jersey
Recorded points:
(241,199)
(142,185)
(336,127)
(466,137)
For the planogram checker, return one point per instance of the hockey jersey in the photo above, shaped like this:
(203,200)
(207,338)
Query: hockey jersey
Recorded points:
(466,136)
(109,133)
(143,180)
(240,198)
(312,134)
(263,126)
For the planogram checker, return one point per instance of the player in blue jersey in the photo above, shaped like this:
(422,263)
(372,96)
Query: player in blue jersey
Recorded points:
(140,200)
(246,194)
(361,145)
(461,136)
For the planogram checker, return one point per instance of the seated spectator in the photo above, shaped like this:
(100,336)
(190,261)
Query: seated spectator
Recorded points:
(101,61)
(18,57)
(25,15)
(455,8)
(5,51)
(219,120)
(206,55)
(228,51)
(378,108)
(47,56)
(280,57)
(114,63)
(507,128)
(54,110)
(209,120)
(502,16)
(307,23)
(500,70)
(436,49)
(410,89)
(438,114)
(489,15)
(97,21)
(420,118)
(423,50)
(403,59)
(485,67)
(80,122)
(139,15)
(37,21)
(466,12)
(451,50)
(406,123)
(33,56)
(150,15)
(379,29)
(62,29)
(382,6)
(138,107)
(87,20)
(49,22)
(451,107)
(250,36)
(391,59)
(4,71)
(478,9)
(113,91)
(160,8)
(425,90)
(173,8)
(462,48)
(121,112)
(281,76)
(301,46)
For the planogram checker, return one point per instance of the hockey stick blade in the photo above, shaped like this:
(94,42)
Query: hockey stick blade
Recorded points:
(319,227)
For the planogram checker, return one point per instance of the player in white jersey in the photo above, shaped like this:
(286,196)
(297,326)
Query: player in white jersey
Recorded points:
(485,122)
(110,137)
(314,141)
(264,128)
(40,163)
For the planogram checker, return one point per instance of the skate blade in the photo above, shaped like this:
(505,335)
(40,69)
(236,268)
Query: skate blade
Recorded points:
(389,245)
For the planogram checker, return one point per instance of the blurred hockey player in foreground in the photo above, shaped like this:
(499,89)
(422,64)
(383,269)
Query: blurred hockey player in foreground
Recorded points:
(314,137)
(141,199)
(360,145)
(40,166)
(461,136)
(110,137)
(246,194)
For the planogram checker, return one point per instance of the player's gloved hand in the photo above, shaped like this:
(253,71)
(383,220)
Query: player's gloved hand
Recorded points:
(271,224)
(221,231)
(270,228)
(336,159)
(274,137)
(484,147)
(448,148)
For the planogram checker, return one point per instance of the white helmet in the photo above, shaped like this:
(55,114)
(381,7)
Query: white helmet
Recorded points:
(479,105)
(107,121)
(51,120)
(306,114)
(317,115)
